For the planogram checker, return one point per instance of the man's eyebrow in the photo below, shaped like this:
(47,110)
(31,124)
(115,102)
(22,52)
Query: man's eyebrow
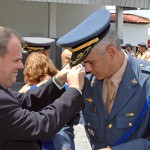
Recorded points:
(87,61)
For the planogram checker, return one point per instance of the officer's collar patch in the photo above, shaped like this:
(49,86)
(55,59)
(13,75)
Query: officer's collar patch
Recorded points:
(134,81)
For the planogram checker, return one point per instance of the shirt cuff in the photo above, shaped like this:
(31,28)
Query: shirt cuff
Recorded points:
(57,83)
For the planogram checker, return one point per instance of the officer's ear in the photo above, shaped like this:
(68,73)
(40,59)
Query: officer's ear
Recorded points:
(111,51)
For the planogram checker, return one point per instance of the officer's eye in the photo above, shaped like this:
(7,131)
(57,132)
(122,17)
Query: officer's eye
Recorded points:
(91,62)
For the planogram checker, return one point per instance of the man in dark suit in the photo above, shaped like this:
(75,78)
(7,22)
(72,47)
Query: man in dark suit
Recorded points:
(117,88)
(21,123)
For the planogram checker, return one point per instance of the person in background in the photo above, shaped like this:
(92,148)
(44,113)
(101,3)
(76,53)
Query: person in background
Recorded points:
(143,52)
(38,69)
(22,124)
(65,57)
(116,90)
(129,49)
(38,44)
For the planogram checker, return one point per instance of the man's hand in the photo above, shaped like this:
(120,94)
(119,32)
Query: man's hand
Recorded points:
(61,76)
(75,77)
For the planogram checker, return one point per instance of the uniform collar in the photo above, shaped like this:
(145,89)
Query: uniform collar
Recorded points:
(117,77)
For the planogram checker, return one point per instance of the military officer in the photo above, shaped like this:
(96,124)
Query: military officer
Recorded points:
(38,44)
(129,49)
(143,53)
(117,89)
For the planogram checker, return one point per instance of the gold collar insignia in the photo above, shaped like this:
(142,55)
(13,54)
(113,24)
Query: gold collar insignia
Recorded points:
(134,82)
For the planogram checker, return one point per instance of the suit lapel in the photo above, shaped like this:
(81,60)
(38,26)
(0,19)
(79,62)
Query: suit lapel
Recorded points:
(6,90)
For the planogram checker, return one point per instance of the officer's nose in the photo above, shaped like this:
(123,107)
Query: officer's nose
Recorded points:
(88,67)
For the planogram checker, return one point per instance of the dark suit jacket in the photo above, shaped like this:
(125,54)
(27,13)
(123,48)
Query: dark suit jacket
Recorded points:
(21,125)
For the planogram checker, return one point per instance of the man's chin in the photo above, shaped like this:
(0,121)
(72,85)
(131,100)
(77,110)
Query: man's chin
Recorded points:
(98,78)
(14,81)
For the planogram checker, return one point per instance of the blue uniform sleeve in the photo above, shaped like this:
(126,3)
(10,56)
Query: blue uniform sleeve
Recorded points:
(64,139)
(137,144)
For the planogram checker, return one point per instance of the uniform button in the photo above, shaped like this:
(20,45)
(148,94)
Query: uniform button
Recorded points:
(91,132)
(110,126)
(130,124)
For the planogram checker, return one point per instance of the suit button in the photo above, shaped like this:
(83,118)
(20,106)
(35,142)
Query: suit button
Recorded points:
(110,126)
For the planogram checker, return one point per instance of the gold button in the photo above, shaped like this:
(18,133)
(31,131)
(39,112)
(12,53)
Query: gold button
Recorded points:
(130,124)
(110,126)
(94,109)
(91,132)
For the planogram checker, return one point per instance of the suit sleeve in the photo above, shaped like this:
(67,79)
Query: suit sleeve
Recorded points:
(19,123)
(35,100)
(64,139)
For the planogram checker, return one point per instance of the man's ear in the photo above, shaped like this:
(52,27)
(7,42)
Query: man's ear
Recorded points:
(111,50)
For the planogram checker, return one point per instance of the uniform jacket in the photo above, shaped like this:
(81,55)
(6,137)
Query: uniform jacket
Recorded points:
(105,130)
(21,125)
(144,56)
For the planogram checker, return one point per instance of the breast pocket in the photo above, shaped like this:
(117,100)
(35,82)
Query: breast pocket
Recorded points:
(124,124)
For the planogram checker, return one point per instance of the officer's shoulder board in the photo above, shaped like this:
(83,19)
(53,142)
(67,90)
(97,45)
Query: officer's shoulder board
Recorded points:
(145,68)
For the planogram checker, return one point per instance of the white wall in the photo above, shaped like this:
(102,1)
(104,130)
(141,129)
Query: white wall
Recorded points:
(135,33)
(32,18)
(28,18)
(70,15)
(43,19)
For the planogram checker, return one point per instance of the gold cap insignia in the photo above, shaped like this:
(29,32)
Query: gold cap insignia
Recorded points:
(90,100)
(134,82)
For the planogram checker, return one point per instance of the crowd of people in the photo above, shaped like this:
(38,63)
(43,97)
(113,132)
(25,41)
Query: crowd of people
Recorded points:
(101,85)
(141,51)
